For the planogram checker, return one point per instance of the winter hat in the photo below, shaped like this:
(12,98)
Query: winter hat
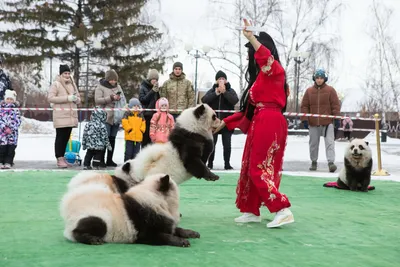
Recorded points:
(220,74)
(177,65)
(64,68)
(320,73)
(111,75)
(134,102)
(153,74)
(163,101)
(10,94)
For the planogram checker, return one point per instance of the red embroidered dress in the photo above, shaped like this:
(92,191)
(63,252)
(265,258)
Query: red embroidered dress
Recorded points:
(263,153)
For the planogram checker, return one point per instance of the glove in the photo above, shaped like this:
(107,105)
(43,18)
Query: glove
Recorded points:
(337,123)
(7,130)
(109,147)
(156,88)
(305,124)
(72,98)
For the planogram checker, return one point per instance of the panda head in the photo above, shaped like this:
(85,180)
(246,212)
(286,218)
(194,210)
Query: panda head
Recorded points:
(126,172)
(158,186)
(358,149)
(199,119)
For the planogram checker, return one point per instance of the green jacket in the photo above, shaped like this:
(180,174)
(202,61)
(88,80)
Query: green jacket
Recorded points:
(179,92)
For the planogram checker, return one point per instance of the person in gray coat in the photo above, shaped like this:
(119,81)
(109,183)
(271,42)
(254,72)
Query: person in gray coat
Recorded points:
(107,94)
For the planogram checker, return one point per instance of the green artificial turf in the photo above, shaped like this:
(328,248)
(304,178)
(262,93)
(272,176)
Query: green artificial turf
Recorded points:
(333,227)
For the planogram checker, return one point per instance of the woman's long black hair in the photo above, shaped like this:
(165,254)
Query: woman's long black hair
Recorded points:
(253,69)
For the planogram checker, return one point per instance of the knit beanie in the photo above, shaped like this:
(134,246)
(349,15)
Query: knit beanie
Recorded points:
(134,102)
(111,75)
(220,74)
(64,68)
(153,74)
(177,65)
(10,94)
(163,101)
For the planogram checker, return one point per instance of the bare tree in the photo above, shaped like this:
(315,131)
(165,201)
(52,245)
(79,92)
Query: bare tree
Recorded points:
(25,80)
(291,23)
(383,72)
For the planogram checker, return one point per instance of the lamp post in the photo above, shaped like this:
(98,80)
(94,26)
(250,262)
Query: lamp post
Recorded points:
(298,57)
(81,44)
(197,54)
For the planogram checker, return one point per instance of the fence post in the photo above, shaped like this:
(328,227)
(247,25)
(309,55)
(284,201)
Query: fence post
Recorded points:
(380,171)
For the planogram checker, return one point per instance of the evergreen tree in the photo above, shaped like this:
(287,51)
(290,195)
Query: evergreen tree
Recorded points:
(44,29)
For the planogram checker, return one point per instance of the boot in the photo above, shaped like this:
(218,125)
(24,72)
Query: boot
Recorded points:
(110,162)
(313,166)
(61,163)
(102,161)
(228,166)
(332,167)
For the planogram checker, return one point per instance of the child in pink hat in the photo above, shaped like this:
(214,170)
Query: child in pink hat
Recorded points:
(162,122)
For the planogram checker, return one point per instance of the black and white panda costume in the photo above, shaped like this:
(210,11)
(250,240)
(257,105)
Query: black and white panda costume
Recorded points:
(187,151)
(356,174)
(146,214)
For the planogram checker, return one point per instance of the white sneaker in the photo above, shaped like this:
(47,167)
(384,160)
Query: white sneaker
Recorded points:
(248,217)
(282,217)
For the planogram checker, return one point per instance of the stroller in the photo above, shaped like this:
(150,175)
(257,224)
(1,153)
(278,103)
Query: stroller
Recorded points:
(72,150)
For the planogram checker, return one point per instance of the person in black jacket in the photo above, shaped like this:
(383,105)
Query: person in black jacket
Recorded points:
(221,97)
(148,96)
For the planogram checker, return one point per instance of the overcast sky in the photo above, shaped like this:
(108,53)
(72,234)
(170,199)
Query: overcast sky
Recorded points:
(189,21)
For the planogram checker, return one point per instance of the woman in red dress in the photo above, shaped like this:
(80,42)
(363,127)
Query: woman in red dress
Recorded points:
(261,117)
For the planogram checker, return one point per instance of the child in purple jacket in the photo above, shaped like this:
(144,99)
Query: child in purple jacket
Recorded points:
(10,120)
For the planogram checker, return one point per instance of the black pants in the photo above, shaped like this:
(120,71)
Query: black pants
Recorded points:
(131,150)
(62,138)
(347,134)
(95,155)
(226,143)
(146,135)
(7,153)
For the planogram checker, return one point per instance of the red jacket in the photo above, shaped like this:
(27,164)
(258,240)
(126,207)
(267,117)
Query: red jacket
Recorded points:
(268,87)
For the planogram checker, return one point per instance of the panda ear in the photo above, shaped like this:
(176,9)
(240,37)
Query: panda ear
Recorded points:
(126,168)
(367,143)
(164,183)
(199,111)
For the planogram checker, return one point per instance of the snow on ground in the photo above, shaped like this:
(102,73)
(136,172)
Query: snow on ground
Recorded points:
(36,143)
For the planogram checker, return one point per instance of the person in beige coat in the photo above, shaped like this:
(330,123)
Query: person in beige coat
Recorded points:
(106,95)
(63,93)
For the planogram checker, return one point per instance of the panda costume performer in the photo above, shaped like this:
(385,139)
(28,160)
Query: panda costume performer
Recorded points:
(146,214)
(356,174)
(185,154)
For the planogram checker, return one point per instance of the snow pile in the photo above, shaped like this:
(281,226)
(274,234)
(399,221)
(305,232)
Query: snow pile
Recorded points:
(32,126)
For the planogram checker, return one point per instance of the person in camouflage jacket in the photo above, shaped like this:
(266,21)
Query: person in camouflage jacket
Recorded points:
(10,120)
(95,139)
(178,90)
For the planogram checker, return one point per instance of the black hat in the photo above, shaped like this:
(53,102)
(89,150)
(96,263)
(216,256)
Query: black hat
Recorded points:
(177,65)
(64,68)
(220,74)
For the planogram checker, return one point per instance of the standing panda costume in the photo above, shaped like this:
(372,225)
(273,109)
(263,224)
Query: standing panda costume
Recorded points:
(185,154)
